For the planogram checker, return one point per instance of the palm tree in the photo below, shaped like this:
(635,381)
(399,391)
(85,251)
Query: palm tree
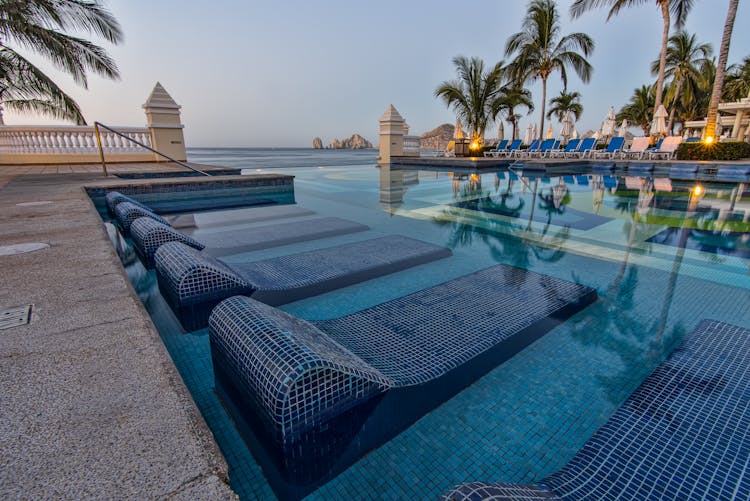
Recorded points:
(721,66)
(39,26)
(475,96)
(668,8)
(515,96)
(737,81)
(640,108)
(540,50)
(694,103)
(564,103)
(684,57)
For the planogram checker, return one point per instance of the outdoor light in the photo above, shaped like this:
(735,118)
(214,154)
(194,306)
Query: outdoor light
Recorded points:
(709,139)
(697,190)
(474,145)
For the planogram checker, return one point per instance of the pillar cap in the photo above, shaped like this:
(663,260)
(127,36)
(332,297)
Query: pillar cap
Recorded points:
(160,98)
(391,115)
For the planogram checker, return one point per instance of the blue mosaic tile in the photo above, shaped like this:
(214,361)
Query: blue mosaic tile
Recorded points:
(193,284)
(148,235)
(127,212)
(297,376)
(683,434)
(283,279)
(113,198)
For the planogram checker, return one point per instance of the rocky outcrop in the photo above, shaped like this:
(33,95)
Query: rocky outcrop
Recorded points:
(317,144)
(355,142)
(438,138)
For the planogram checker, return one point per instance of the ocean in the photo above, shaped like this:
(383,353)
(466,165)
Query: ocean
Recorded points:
(268,158)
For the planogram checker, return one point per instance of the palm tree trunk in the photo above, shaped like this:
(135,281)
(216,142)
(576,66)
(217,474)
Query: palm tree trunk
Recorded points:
(677,90)
(663,57)
(721,66)
(544,105)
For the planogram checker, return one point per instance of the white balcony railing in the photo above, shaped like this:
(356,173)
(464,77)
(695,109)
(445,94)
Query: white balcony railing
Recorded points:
(73,140)
(411,146)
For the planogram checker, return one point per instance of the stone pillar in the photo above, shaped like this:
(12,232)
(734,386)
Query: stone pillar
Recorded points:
(163,122)
(391,135)
(737,128)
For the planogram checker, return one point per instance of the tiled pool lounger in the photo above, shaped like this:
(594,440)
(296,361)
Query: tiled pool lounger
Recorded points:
(682,435)
(299,374)
(193,283)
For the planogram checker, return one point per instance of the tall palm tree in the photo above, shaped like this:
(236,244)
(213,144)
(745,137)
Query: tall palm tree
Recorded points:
(540,50)
(685,56)
(737,81)
(721,66)
(694,104)
(640,108)
(668,8)
(39,26)
(475,96)
(564,103)
(515,96)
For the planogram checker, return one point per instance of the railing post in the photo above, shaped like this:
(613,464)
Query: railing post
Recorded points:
(101,150)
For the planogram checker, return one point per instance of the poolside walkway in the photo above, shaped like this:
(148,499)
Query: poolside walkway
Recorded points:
(91,406)
(96,169)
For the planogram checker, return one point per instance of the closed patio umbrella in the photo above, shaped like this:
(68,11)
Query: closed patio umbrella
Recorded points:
(567,126)
(623,128)
(659,126)
(608,126)
(528,135)
(535,133)
(549,132)
(501,131)
(574,135)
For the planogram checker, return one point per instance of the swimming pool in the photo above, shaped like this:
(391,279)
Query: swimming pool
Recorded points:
(662,255)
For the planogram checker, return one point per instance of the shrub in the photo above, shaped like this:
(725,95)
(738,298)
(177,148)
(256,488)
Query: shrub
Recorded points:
(730,150)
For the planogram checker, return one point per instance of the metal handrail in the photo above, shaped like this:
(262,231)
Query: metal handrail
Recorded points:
(101,150)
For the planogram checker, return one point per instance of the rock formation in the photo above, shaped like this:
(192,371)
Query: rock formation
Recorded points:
(355,142)
(438,138)
(317,144)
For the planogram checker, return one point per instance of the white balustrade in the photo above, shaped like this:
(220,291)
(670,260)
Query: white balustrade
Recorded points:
(70,140)
(411,145)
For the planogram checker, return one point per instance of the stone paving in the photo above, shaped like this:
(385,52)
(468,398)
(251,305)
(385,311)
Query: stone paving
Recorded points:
(91,405)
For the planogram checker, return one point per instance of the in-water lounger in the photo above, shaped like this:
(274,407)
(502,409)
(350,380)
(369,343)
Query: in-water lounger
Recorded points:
(193,282)
(296,375)
(681,435)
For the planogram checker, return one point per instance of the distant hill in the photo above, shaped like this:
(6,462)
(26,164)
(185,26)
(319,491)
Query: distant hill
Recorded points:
(438,138)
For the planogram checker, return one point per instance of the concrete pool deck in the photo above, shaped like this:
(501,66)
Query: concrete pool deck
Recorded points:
(92,405)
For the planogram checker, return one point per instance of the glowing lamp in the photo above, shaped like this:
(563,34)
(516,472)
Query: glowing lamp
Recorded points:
(709,139)
(697,190)
(474,145)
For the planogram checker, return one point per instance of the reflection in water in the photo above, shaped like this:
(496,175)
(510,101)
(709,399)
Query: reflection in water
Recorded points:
(393,186)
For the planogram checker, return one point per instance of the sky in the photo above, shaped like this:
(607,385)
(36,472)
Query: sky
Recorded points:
(278,74)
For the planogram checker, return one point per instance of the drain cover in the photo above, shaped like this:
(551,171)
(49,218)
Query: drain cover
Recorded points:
(13,317)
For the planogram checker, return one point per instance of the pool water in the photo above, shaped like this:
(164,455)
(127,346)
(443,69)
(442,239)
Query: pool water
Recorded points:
(660,256)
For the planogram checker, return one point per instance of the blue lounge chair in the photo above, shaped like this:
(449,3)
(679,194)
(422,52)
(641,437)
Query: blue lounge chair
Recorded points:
(546,147)
(693,140)
(613,148)
(583,148)
(511,149)
(500,147)
(534,146)
(571,146)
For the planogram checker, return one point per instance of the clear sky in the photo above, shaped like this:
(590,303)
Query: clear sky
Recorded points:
(280,73)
